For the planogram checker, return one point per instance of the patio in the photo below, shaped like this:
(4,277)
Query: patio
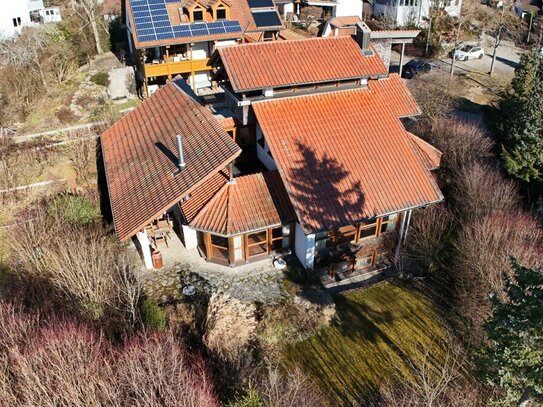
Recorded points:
(257,281)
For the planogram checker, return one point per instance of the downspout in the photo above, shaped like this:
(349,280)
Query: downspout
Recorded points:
(400,240)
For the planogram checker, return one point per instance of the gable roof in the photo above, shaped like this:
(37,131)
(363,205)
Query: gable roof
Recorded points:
(295,62)
(139,153)
(345,156)
(253,202)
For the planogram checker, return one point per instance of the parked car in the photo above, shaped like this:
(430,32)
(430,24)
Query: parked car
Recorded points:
(415,67)
(468,52)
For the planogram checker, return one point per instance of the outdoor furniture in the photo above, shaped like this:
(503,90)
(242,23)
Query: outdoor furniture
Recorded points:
(161,234)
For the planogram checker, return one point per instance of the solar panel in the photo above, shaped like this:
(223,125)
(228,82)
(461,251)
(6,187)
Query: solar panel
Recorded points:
(153,23)
(260,3)
(266,19)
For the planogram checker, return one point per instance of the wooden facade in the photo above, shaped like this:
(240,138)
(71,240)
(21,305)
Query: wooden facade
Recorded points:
(248,247)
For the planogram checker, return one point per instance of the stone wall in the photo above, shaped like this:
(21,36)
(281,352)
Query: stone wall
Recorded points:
(383,48)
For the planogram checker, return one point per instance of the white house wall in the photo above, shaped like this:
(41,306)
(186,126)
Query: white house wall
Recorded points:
(348,8)
(190,237)
(408,15)
(262,153)
(304,247)
(11,9)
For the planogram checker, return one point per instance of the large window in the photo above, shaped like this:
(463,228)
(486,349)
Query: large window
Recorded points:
(354,233)
(219,248)
(257,243)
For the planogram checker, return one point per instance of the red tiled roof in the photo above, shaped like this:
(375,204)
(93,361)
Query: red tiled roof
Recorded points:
(202,195)
(140,154)
(253,202)
(345,156)
(430,156)
(294,62)
(344,20)
(393,90)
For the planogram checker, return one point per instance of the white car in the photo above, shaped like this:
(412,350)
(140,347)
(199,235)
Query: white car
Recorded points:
(468,52)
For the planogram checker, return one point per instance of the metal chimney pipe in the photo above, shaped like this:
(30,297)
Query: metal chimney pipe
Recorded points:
(180,159)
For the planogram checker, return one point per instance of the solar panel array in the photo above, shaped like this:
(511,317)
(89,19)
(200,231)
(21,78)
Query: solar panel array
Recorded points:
(260,3)
(266,19)
(153,23)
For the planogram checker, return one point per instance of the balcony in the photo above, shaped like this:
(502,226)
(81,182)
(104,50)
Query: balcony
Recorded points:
(172,67)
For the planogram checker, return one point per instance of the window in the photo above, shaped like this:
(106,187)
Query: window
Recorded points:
(17,22)
(323,240)
(346,234)
(219,248)
(198,15)
(388,223)
(279,237)
(220,13)
(257,243)
(367,230)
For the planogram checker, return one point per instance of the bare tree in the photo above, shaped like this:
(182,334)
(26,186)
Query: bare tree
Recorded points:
(129,289)
(81,151)
(87,10)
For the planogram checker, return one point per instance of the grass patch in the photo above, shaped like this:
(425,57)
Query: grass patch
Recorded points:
(378,329)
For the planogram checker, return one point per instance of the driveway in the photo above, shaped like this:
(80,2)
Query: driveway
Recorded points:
(507,59)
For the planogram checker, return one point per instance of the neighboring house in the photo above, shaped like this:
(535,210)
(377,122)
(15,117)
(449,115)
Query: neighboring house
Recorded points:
(327,169)
(382,40)
(331,8)
(413,12)
(177,37)
(527,8)
(17,14)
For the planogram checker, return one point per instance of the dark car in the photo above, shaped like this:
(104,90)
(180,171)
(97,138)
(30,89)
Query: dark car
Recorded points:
(415,67)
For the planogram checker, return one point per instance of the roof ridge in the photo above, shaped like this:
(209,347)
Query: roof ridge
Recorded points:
(270,43)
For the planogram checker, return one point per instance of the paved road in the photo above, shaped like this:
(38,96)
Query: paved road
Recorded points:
(507,58)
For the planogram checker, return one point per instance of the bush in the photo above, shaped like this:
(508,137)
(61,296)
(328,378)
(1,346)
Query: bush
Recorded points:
(152,315)
(77,210)
(65,115)
(100,78)
(250,399)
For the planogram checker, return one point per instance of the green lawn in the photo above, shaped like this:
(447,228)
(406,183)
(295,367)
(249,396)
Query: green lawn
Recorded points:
(378,329)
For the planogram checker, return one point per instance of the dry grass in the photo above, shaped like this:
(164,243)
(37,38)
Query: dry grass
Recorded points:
(379,329)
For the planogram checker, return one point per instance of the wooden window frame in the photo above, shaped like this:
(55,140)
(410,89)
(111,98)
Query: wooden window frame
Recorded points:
(249,245)
(221,7)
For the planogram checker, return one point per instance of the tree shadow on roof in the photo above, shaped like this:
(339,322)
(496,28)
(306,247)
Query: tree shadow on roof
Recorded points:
(326,197)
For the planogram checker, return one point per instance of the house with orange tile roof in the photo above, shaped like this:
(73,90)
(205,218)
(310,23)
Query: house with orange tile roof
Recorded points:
(293,155)
(176,37)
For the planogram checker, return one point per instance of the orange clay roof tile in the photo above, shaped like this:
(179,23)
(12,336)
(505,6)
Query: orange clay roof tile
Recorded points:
(430,156)
(294,62)
(345,156)
(140,156)
(253,202)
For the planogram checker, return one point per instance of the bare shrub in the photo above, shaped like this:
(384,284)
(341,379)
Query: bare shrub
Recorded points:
(156,371)
(288,389)
(461,143)
(481,190)
(81,151)
(310,14)
(427,238)
(435,93)
(65,115)
(65,364)
(16,326)
(482,256)
(82,271)
(230,326)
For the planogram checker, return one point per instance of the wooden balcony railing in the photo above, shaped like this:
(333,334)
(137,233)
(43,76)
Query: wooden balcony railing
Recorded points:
(171,68)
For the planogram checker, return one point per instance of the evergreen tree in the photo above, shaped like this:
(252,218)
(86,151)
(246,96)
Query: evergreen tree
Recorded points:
(514,360)
(521,124)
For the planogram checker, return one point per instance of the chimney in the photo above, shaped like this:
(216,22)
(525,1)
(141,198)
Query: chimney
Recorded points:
(363,34)
(180,159)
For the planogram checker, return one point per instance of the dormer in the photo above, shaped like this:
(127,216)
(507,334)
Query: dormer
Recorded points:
(197,13)
(221,11)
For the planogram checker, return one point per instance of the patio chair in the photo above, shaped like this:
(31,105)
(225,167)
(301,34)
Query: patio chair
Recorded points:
(161,234)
